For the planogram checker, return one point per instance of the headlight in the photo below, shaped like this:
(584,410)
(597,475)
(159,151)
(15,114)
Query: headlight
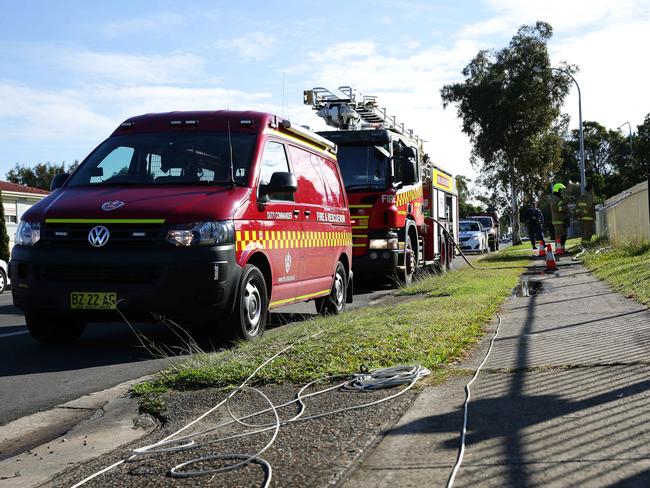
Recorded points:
(201,234)
(28,233)
(390,243)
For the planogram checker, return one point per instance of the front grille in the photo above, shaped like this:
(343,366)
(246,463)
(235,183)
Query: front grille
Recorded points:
(98,274)
(465,239)
(121,235)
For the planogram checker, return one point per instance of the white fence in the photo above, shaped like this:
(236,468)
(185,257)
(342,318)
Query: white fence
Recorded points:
(625,217)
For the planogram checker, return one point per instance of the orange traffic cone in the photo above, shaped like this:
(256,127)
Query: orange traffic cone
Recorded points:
(550,260)
(559,248)
(541,250)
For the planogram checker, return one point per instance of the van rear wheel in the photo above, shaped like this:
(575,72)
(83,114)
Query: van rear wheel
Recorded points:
(54,329)
(334,303)
(248,319)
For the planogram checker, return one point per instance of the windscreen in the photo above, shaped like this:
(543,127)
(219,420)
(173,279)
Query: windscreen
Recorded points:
(362,168)
(468,226)
(168,158)
(486,221)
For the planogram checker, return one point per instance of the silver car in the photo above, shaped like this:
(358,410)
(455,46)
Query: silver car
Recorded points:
(472,236)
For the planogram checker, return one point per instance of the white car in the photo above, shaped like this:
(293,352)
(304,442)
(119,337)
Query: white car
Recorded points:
(4,276)
(472,236)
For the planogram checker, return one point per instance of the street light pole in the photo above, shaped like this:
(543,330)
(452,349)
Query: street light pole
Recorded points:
(629,126)
(583,179)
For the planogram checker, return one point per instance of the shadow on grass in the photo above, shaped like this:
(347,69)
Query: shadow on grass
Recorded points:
(506,258)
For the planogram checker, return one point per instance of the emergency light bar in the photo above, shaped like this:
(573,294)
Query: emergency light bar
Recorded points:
(309,135)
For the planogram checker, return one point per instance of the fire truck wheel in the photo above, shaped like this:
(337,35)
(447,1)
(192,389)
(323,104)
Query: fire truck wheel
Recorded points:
(443,264)
(248,319)
(450,255)
(334,303)
(410,263)
(57,329)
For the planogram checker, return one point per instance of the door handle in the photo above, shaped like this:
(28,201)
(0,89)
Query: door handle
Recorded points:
(307,213)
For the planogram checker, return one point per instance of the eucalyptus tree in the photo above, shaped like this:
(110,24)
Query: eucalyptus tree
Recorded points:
(510,106)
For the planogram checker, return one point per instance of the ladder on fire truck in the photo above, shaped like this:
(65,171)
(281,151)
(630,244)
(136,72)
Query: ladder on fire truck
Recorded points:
(351,111)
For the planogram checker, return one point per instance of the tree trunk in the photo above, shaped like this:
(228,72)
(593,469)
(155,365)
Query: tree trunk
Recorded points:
(514,212)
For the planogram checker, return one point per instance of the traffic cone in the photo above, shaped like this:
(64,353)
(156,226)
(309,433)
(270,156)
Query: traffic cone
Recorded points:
(541,250)
(550,260)
(559,248)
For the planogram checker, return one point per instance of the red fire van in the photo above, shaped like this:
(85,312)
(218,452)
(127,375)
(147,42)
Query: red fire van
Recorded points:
(210,217)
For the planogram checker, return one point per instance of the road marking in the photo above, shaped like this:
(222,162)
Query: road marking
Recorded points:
(14,333)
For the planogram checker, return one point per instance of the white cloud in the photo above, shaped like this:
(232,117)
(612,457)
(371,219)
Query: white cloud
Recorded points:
(76,120)
(563,15)
(255,46)
(160,23)
(613,78)
(131,68)
(408,85)
(47,115)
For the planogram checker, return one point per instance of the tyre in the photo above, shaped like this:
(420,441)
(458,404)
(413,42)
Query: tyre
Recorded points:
(410,263)
(54,329)
(248,318)
(492,246)
(450,255)
(442,265)
(334,303)
(3,280)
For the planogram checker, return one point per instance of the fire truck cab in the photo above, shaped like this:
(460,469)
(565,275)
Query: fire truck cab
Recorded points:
(403,207)
(209,217)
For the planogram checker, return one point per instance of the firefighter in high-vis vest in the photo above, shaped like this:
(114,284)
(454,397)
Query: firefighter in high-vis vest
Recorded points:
(559,217)
(586,213)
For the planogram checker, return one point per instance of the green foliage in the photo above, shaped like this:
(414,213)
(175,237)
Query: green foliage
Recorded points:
(435,327)
(626,268)
(512,114)
(464,195)
(4,237)
(40,175)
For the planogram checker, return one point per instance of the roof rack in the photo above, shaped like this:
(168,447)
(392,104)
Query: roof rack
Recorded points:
(351,110)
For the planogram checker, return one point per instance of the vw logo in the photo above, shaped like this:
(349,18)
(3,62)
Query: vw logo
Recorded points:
(98,236)
(108,206)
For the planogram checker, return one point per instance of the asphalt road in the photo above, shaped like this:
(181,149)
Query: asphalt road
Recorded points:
(36,377)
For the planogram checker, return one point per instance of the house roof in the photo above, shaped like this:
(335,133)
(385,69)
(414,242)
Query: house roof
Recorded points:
(6,186)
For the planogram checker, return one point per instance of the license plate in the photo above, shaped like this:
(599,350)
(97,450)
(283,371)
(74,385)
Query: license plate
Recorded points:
(93,300)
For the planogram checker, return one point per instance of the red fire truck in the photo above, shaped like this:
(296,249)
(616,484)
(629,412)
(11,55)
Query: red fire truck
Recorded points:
(400,201)
(208,217)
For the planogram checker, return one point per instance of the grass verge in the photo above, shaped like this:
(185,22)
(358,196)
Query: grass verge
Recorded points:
(625,267)
(440,321)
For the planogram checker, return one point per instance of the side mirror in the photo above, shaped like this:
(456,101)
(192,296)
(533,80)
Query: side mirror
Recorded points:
(410,171)
(281,182)
(58,181)
(409,152)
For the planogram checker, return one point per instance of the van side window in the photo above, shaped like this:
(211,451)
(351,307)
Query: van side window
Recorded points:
(274,160)
(330,173)
(307,169)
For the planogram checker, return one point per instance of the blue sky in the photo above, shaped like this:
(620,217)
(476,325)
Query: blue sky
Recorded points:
(71,71)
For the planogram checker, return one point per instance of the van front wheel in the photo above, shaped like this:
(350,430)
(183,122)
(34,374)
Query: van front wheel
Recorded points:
(248,319)
(334,303)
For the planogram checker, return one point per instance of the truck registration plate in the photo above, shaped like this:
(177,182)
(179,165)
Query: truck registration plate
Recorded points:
(93,300)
